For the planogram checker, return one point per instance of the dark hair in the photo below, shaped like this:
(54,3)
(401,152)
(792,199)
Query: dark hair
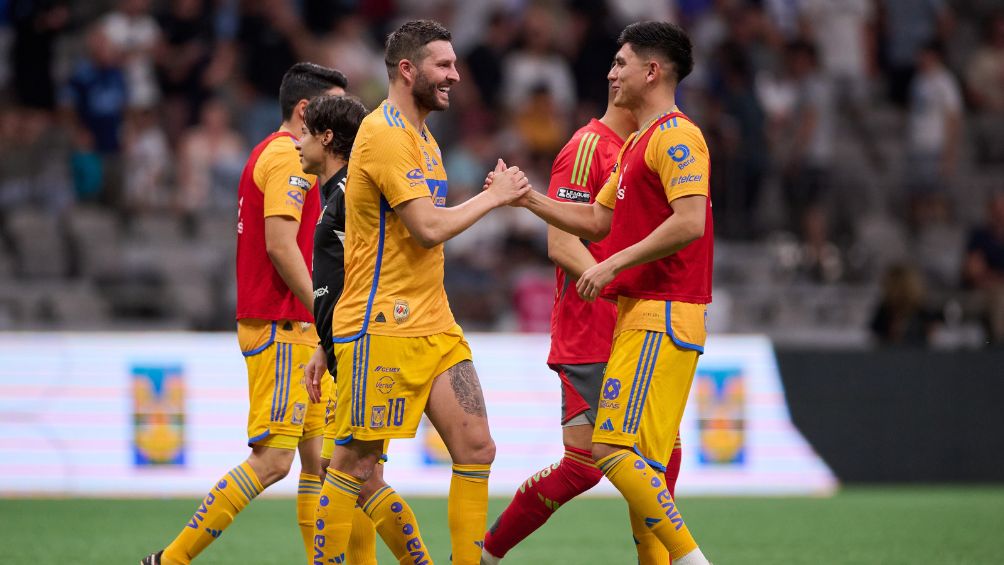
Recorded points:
(802,47)
(935,47)
(409,41)
(304,81)
(340,114)
(666,40)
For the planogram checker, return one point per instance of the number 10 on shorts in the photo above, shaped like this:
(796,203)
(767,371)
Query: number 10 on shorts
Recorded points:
(390,415)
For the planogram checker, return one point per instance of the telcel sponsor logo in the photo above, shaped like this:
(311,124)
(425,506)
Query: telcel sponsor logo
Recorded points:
(686,179)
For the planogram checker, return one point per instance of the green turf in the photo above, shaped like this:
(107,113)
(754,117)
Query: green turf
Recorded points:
(933,525)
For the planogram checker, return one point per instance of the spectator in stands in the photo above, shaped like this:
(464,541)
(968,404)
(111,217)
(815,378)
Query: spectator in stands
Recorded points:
(985,85)
(909,24)
(902,316)
(37,25)
(808,145)
(820,259)
(270,39)
(34,156)
(95,101)
(535,61)
(147,162)
(595,38)
(485,60)
(135,33)
(983,270)
(743,119)
(210,159)
(183,57)
(540,123)
(843,34)
(935,123)
(347,46)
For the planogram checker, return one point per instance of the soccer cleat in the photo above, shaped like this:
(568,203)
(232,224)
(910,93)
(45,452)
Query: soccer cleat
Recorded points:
(152,559)
(488,558)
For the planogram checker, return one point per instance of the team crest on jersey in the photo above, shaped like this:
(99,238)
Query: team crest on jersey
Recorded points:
(299,409)
(401,311)
(376,416)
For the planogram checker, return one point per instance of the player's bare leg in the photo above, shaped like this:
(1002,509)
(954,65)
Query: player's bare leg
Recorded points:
(456,408)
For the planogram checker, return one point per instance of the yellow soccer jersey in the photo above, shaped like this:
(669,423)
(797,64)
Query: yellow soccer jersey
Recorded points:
(393,285)
(279,175)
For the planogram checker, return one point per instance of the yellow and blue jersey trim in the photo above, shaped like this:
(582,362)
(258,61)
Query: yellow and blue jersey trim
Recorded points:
(393,116)
(384,209)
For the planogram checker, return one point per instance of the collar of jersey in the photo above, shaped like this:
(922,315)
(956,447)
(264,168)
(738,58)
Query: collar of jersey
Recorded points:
(651,123)
(404,120)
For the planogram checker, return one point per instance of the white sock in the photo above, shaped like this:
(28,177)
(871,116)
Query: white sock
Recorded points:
(695,557)
(488,558)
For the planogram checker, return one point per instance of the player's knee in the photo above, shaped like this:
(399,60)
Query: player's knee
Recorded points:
(370,487)
(481,452)
(601,450)
(271,465)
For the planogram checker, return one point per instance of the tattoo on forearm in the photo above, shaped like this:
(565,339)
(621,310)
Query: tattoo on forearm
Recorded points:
(466,388)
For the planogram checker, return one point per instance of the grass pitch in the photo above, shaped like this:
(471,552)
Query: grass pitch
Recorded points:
(887,525)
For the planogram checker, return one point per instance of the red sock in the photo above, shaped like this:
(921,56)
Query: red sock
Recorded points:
(539,497)
(673,468)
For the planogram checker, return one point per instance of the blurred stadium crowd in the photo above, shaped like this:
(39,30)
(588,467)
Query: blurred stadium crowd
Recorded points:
(857,170)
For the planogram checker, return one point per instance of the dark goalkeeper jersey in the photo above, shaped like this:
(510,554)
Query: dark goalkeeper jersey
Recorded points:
(329,259)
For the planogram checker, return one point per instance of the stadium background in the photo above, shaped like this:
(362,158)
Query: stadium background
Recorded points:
(857,178)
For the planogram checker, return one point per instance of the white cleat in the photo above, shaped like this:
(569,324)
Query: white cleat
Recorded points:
(489,559)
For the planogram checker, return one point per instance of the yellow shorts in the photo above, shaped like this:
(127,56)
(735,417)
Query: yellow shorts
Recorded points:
(280,413)
(643,394)
(384,382)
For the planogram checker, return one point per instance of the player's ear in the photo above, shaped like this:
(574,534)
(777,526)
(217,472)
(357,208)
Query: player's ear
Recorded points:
(326,137)
(654,67)
(406,70)
(301,108)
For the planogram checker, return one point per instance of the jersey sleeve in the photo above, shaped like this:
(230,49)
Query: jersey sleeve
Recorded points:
(680,157)
(563,186)
(393,162)
(608,194)
(283,181)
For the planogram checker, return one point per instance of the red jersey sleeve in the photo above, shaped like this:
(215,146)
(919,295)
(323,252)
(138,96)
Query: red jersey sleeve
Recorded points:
(573,168)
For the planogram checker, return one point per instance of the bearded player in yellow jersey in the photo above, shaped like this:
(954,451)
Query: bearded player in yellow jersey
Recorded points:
(399,351)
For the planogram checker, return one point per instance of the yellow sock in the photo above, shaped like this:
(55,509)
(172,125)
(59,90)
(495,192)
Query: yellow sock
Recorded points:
(230,495)
(362,540)
(397,526)
(467,512)
(307,495)
(646,495)
(650,549)
(334,517)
